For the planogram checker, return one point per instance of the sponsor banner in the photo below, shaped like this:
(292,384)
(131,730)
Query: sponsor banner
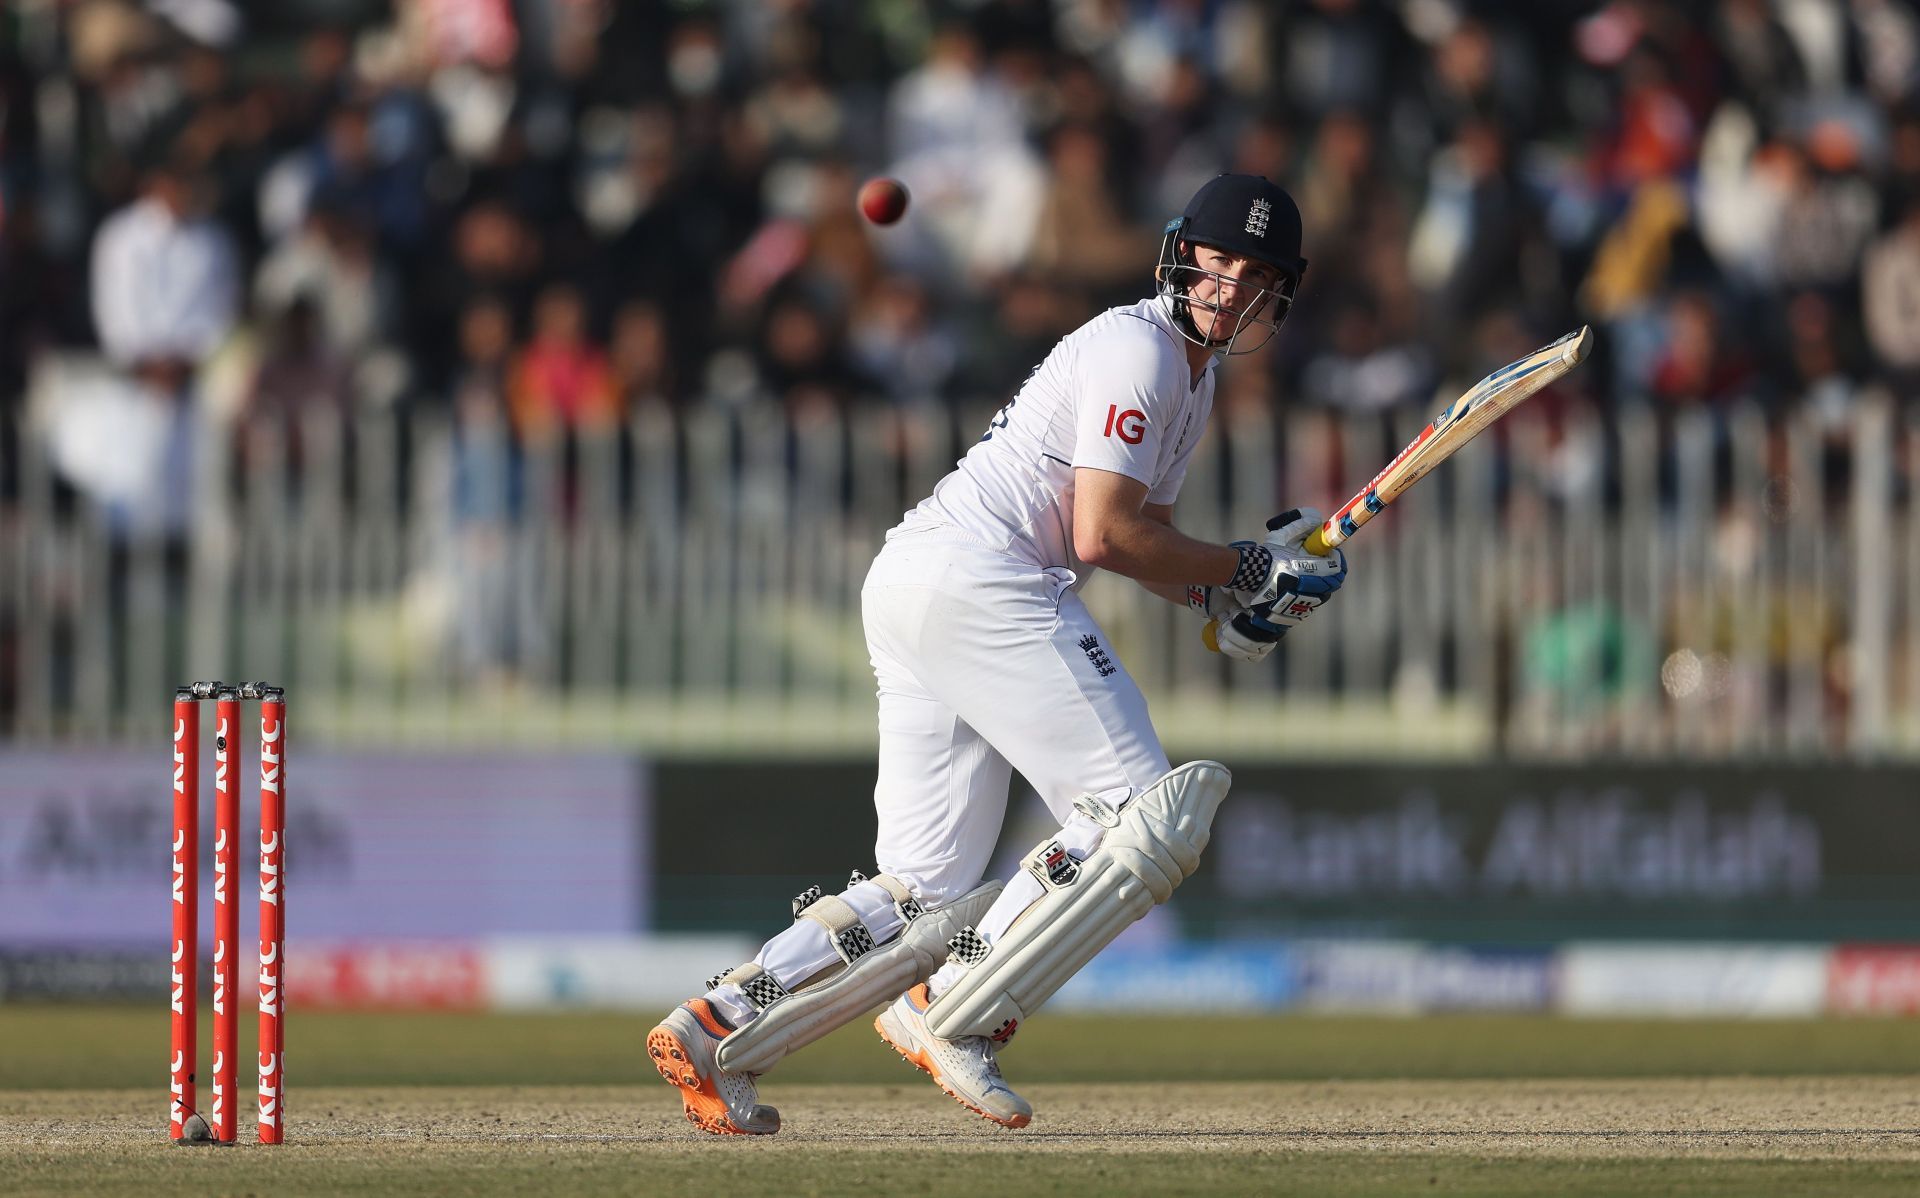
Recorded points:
(1740,980)
(1874,979)
(511,974)
(42,975)
(1508,853)
(379,846)
(395,976)
(647,974)
(1509,836)
(1384,977)
(1184,977)
(1395,977)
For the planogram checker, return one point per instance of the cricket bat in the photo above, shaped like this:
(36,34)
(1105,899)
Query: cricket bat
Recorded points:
(1460,422)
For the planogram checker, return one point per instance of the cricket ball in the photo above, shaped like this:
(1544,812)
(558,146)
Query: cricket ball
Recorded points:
(883,200)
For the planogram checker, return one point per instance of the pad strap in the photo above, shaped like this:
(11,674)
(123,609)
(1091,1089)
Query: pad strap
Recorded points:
(760,987)
(903,901)
(850,938)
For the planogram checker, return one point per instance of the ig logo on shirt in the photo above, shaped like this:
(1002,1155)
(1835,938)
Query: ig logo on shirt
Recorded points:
(1130,424)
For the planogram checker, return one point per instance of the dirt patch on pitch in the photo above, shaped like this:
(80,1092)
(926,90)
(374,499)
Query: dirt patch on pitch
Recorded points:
(1815,1118)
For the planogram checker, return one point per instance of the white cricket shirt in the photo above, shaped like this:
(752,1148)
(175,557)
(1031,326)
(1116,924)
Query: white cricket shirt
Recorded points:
(1115,394)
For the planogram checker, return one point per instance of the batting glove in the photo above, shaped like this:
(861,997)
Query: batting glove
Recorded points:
(1296,584)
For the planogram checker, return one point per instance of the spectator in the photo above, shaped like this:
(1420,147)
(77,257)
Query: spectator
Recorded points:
(486,351)
(1763,64)
(1338,55)
(1467,245)
(1655,134)
(300,373)
(840,253)
(1831,213)
(1083,237)
(804,361)
(1081,97)
(377,179)
(1822,380)
(898,344)
(1743,190)
(640,357)
(1903,160)
(1338,174)
(1358,372)
(561,380)
(165,296)
(333,264)
(165,280)
(1697,365)
(491,250)
(957,136)
(1890,299)
(490,628)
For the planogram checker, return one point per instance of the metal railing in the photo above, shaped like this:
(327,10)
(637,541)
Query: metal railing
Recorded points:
(1651,584)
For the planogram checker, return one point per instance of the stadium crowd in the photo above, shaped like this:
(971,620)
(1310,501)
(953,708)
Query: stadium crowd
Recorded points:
(550,211)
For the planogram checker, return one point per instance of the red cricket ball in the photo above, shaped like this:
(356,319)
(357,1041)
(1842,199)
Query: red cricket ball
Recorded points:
(883,200)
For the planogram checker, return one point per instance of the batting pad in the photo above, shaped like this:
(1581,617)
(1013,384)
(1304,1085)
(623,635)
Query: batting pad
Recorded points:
(880,975)
(1152,847)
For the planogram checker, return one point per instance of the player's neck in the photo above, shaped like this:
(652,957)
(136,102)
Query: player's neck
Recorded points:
(1198,356)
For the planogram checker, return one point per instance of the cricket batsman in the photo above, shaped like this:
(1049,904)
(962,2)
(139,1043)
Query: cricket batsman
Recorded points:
(988,661)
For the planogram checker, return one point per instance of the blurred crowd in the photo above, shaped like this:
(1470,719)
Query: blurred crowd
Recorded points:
(537,218)
(540,214)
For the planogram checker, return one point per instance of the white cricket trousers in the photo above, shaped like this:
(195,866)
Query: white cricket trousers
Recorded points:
(985,665)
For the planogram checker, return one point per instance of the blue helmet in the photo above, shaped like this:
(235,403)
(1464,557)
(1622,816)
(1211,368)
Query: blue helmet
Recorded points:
(1249,217)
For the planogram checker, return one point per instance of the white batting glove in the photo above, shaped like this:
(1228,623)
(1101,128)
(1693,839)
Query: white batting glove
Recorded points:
(1239,638)
(1221,606)
(1295,527)
(1284,589)
(1289,570)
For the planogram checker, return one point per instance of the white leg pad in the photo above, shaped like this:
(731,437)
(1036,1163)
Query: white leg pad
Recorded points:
(1149,849)
(880,975)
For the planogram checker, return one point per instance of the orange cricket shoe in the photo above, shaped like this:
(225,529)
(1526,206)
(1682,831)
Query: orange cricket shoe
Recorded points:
(682,1047)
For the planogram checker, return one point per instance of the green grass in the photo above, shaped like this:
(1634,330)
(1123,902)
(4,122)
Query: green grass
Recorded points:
(80,1047)
(809,1171)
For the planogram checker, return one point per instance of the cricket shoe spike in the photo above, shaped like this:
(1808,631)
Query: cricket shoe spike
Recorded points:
(967,1068)
(682,1047)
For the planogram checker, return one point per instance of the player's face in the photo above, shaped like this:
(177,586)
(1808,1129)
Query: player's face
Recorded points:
(1227,290)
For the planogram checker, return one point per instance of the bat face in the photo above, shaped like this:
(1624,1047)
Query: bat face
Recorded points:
(1515,381)
(1458,423)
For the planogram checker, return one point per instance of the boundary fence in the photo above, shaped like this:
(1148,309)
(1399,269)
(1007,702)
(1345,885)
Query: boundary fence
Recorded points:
(1638,583)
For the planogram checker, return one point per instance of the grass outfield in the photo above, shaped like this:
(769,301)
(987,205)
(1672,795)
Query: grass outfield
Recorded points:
(565,1104)
(81,1047)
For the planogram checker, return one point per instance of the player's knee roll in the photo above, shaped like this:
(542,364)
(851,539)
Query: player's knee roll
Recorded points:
(1152,845)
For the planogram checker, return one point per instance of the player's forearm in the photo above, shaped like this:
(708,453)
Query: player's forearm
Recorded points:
(1152,553)
(1172,592)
